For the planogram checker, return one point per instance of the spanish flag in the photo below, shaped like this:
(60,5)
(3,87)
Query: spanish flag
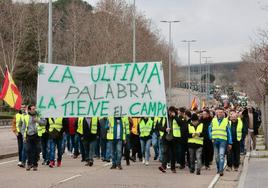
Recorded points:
(194,104)
(10,93)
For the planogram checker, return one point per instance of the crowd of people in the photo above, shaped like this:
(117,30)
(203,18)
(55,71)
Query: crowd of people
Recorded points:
(183,139)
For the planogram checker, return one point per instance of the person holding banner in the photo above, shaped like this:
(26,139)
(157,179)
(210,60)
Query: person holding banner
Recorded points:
(172,133)
(55,139)
(116,135)
(145,131)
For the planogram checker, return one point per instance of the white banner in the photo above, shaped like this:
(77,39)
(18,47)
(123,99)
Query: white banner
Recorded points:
(133,89)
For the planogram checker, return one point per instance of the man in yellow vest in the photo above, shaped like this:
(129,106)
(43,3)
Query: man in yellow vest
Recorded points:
(16,128)
(29,131)
(116,135)
(233,155)
(146,128)
(171,137)
(195,143)
(220,133)
(55,140)
(88,128)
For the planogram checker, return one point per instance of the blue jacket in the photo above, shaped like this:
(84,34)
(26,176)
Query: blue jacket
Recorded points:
(229,135)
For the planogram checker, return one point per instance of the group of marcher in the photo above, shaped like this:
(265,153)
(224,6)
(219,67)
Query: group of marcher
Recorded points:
(184,137)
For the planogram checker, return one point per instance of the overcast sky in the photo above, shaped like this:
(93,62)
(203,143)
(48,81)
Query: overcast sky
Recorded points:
(224,28)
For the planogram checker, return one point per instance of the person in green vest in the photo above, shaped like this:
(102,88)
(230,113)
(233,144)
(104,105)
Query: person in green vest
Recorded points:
(88,128)
(159,125)
(29,130)
(220,133)
(116,135)
(146,128)
(195,141)
(172,134)
(44,137)
(55,140)
(127,121)
(233,155)
(16,128)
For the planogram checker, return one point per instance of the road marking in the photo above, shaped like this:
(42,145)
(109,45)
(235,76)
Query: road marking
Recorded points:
(73,177)
(8,162)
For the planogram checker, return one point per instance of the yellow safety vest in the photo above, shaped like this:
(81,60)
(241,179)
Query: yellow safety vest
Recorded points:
(163,124)
(94,125)
(18,119)
(57,124)
(176,129)
(80,125)
(191,130)
(26,118)
(145,129)
(41,129)
(126,122)
(110,132)
(239,128)
(134,129)
(219,131)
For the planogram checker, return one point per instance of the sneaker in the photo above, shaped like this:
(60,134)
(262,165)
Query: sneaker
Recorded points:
(236,169)
(198,172)
(207,168)
(22,165)
(191,171)
(162,169)
(140,159)
(51,164)
(87,163)
(132,159)
(119,167)
(143,161)
(146,163)
(75,156)
(168,166)
(35,168)
(19,163)
(221,173)
(155,158)
(113,167)
(58,163)
(90,163)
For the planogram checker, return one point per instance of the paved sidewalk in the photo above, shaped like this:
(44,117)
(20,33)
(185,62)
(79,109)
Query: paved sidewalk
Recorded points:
(257,175)
(8,141)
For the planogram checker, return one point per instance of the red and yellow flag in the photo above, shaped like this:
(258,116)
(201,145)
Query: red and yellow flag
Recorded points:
(194,104)
(10,93)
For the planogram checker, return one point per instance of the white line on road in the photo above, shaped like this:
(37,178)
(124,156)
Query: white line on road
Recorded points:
(8,162)
(73,177)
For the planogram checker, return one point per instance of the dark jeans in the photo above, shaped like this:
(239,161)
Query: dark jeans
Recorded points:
(97,147)
(32,145)
(53,143)
(89,146)
(127,147)
(116,151)
(207,154)
(20,146)
(136,145)
(170,148)
(44,144)
(181,150)
(79,147)
(195,154)
(103,144)
(233,156)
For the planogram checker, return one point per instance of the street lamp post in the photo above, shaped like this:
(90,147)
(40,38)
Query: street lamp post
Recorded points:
(169,58)
(50,31)
(134,31)
(207,75)
(189,69)
(200,73)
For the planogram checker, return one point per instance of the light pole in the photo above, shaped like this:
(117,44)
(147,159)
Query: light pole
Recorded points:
(169,57)
(189,69)
(134,31)
(200,61)
(50,51)
(207,75)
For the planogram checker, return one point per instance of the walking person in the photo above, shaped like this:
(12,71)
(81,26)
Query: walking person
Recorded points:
(116,135)
(196,134)
(170,138)
(105,150)
(135,139)
(145,131)
(29,129)
(220,133)
(233,155)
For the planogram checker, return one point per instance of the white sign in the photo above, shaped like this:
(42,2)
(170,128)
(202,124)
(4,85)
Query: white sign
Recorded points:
(133,89)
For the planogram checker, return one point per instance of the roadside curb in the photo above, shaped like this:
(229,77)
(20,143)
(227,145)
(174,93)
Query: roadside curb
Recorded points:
(243,175)
(4,156)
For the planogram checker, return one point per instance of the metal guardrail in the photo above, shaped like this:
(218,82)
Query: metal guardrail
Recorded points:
(5,122)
